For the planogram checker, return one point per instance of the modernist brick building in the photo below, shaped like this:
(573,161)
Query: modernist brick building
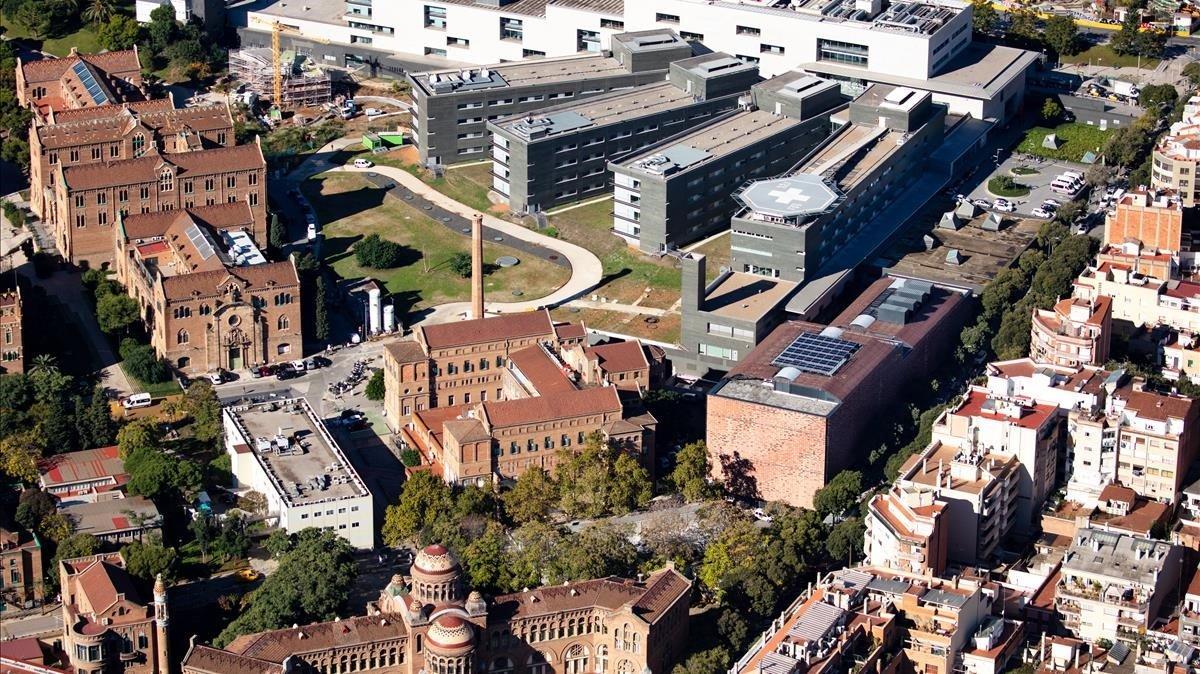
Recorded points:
(110,623)
(208,296)
(428,622)
(12,337)
(89,198)
(807,414)
(80,80)
(112,132)
(20,569)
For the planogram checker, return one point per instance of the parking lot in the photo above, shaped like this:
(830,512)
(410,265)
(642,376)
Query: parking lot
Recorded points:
(1039,183)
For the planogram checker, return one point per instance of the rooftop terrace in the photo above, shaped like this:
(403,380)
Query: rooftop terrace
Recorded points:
(296,450)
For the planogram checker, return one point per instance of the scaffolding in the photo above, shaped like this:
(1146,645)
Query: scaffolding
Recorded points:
(305,84)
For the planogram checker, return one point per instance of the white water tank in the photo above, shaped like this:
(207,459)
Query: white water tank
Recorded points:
(373,310)
(389,318)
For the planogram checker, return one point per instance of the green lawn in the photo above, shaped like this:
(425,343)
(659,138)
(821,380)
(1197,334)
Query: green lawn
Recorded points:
(166,388)
(1103,55)
(716,254)
(352,208)
(1018,190)
(469,185)
(627,272)
(1075,139)
(84,38)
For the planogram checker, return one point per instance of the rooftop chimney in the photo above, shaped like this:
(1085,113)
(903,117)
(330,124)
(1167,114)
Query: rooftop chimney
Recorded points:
(477,266)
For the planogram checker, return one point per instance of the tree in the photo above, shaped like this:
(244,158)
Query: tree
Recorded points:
(733,547)
(1158,96)
(277,234)
(99,11)
(1061,35)
(33,506)
(1192,72)
(484,559)
(140,434)
(461,264)
(534,556)
(599,550)
(846,540)
(161,29)
(1023,27)
(95,424)
(278,543)
(19,455)
(984,16)
(704,662)
(313,580)
(155,475)
(840,494)
(147,560)
(201,404)
(376,252)
(56,527)
(691,475)
(36,20)
(375,386)
(532,496)
(422,500)
(141,362)
(120,32)
(75,545)
(1052,110)
(321,310)
(116,313)
(599,479)
(631,488)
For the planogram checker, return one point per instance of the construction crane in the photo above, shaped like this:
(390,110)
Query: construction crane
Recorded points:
(277,29)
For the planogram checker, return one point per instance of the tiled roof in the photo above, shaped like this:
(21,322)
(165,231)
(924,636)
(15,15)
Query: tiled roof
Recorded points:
(491,329)
(217,216)
(146,169)
(619,356)
(96,112)
(570,330)
(277,645)
(1116,492)
(89,464)
(46,70)
(120,119)
(563,405)
(207,659)
(1158,406)
(1032,416)
(663,589)
(541,371)
(111,515)
(208,283)
(103,583)
(649,599)
(406,351)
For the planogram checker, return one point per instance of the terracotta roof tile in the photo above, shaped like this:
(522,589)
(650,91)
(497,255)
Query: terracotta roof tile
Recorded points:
(146,169)
(216,661)
(96,112)
(648,599)
(406,351)
(1158,406)
(563,405)
(119,119)
(103,583)
(207,283)
(217,216)
(619,356)
(665,587)
(546,377)
(113,62)
(277,645)
(491,329)
(89,464)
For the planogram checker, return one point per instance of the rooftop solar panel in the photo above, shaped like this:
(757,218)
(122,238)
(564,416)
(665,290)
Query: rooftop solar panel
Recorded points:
(817,354)
(89,83)
(203,246)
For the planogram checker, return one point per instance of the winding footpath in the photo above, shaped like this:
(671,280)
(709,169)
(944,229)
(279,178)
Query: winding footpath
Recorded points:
(586,269)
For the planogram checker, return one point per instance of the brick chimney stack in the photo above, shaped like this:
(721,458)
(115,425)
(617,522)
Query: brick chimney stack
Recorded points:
(477,266)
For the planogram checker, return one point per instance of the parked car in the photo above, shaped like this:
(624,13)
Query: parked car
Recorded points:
(363,163)
(218,377)
(1004,206)
(299,365)
(982,203)
(285,372)
(320,361)
(267,370)
(1051,204)
(136,400)
(1042,213)
(373,112)
(762,516)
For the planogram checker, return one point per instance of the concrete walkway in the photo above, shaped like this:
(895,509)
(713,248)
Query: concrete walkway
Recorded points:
(633,309)
(586,269)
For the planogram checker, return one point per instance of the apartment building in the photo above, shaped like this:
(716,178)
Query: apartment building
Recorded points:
(1141,439)
(91,198)
(1151,217)
(1115,586)
(1181,356)
(1139,299)
(678,191)
(207,294)
(1189,613)
(284,451)
(452,107)
(115,131)
(907,529)
(1063,387)
(790,225)
(12,332)
(79,80)
(463,362)
(561,153)
(1176,155)
(807,391)
(110,622)
(21,570)
(1074,333)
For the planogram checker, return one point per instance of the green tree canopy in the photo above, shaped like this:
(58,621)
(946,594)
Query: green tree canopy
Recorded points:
(532,496)
(840,494)
(691,474)
(599,479)
(846,540)
(116,313)
(375,252)
(423,500)
(148,559)
(1061,35)
(375,386)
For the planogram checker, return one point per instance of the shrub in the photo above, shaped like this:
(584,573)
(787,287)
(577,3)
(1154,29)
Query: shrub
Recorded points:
(378,253)
(140,361)
(410,458)
(375,386)
(14,215)
(460,264)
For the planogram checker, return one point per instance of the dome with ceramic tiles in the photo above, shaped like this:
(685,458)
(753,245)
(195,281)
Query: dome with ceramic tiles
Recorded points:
(450,632)
(435,560)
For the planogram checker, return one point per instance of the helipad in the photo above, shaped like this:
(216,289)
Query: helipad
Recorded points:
(793,196)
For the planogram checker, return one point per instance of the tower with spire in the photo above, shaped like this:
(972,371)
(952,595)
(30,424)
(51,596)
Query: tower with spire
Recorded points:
(162,665)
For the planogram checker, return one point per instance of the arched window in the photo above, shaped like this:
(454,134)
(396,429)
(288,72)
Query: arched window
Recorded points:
(283,323)
(166,180)
(538,663)
(576,658)
(182,337)
(637,643)
(205,310)
(501,666)
(139,145)
(626,667)
(183,362)
(602,658)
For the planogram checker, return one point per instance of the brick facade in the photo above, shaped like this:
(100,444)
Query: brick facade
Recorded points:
(12,337)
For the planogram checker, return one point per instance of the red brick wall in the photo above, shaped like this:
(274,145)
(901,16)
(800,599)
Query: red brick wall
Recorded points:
(786,449)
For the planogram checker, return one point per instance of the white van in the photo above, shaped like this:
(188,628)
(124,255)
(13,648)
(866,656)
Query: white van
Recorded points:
(363,163)
(1065,186)
(136,400)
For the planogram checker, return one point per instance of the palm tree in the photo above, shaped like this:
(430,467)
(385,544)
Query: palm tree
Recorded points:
(99,11)
(46,363)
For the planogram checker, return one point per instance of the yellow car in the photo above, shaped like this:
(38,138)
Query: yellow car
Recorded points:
(247,575)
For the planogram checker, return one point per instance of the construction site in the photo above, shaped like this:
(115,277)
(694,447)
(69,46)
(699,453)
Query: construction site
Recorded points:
(297,81)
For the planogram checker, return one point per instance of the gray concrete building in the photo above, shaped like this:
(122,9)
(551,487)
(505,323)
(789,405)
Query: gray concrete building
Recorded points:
(678,191)
(561,153)
(454,106)
(725,319)
(790,225)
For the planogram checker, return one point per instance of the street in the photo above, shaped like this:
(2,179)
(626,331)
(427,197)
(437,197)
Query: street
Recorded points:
(49,624)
